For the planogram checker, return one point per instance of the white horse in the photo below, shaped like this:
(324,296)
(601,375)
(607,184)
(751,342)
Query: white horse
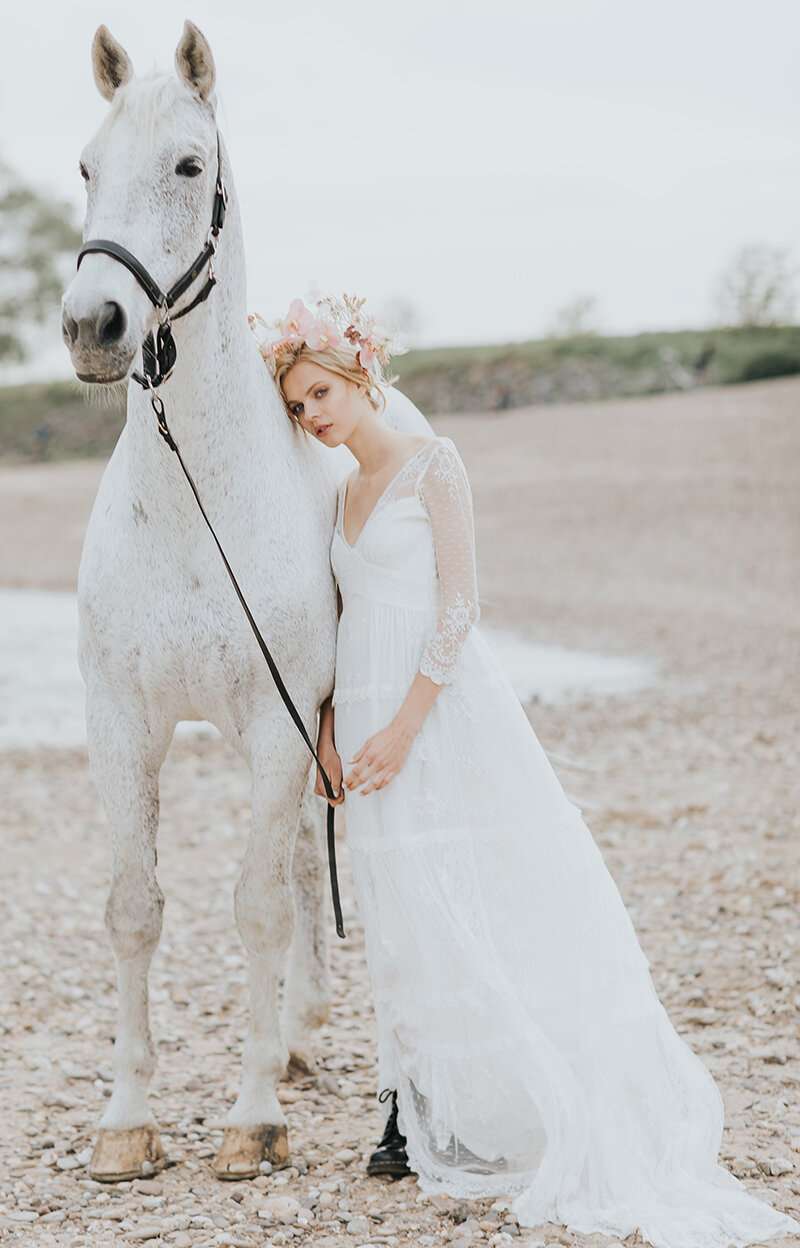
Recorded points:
(163,637)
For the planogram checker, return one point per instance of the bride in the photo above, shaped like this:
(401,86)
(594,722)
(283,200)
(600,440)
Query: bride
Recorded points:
(519,1033)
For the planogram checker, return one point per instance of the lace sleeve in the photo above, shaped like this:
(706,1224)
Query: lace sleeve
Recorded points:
(446,495)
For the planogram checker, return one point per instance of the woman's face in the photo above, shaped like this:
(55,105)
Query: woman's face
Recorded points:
(328,406)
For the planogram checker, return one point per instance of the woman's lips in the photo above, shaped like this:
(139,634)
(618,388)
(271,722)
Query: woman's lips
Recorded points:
(322,430)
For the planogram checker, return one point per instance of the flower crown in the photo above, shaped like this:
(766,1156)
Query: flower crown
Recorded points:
(334,323)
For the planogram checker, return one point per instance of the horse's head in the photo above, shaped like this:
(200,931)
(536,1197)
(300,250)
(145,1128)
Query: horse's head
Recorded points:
(150,173)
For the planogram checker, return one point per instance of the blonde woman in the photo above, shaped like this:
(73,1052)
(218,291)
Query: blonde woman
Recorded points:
(519,1033)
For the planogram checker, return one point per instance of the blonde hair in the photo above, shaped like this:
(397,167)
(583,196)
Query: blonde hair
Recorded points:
(339,361)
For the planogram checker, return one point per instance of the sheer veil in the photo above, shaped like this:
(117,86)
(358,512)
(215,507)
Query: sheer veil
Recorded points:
(402,413)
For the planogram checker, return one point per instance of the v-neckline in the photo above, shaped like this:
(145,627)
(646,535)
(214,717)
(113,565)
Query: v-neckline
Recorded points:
(352,545)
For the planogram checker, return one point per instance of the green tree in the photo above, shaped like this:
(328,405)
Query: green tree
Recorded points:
(37,236)
(758,287)
(577,318)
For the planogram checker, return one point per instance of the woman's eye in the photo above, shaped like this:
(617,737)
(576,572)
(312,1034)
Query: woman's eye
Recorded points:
(321,393)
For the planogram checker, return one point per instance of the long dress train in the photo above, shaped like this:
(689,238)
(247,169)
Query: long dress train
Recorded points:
(516,1014)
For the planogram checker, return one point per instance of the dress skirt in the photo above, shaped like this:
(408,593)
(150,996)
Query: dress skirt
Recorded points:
(516,1014)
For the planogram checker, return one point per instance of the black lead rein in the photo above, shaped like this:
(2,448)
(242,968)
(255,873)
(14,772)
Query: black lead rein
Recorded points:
(159,354)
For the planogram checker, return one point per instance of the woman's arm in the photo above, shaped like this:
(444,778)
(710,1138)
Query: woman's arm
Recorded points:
(326,711)
(326,739)
(445,492)
(446,495)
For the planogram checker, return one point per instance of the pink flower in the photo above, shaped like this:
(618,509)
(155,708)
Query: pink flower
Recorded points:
(367,352)
(277,344)
(322,335)
(299,321)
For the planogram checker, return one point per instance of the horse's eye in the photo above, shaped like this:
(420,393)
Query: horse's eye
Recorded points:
(189,167)
(84,171)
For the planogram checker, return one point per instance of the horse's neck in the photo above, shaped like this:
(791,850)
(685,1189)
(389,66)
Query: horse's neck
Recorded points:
(220,405)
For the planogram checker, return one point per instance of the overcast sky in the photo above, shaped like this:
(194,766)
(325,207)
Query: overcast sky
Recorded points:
(488,161)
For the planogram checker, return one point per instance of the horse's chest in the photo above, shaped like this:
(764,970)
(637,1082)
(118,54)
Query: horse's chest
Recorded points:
(159,614)
(181,638)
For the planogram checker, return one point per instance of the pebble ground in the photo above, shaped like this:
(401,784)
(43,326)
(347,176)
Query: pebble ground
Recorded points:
(664,527)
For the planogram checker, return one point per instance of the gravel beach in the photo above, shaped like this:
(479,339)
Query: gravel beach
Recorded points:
(666,527)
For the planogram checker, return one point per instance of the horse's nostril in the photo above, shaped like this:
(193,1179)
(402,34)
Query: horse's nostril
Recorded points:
(69,327)
(110,324)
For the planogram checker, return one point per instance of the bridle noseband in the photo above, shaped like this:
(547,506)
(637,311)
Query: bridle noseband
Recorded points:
(159,354)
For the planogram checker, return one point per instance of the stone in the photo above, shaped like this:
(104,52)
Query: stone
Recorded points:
(282,1209)
(148,1187)
(73,1071)
(358,1225)
(774,1166)
(144,1231)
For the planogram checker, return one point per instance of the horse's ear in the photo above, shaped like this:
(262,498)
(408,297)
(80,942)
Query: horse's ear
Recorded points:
(194,62)
(111,64)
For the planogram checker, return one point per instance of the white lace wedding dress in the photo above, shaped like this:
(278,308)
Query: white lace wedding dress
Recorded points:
(516,1014)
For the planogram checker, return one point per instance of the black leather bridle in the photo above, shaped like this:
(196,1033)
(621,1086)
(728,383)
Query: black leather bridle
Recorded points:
(159,354)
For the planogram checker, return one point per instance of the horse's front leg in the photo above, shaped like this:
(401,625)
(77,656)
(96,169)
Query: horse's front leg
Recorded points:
(125,756)
(306,995)
(255,1127)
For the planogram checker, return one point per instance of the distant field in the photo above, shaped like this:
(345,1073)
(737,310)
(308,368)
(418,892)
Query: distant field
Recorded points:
(554,370)
(53,421)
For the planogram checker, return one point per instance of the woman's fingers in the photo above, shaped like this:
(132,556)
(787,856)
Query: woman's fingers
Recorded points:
(362,771)
(370,776)
(381,780)
(358,773)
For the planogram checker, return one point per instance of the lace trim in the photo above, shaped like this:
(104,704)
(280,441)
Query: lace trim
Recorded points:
(446,467)
(442,652)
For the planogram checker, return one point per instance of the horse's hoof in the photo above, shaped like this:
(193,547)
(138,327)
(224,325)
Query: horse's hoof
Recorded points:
(244,1148)
(302,1064)
(130,1153)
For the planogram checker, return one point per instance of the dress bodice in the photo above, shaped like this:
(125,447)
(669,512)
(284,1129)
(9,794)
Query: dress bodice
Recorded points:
(414,555)
(393,558)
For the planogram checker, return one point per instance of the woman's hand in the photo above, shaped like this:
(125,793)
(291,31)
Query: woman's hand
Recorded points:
(381,756)
(328,756)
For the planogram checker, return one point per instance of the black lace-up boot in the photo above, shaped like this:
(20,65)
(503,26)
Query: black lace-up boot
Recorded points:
(390,1155)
